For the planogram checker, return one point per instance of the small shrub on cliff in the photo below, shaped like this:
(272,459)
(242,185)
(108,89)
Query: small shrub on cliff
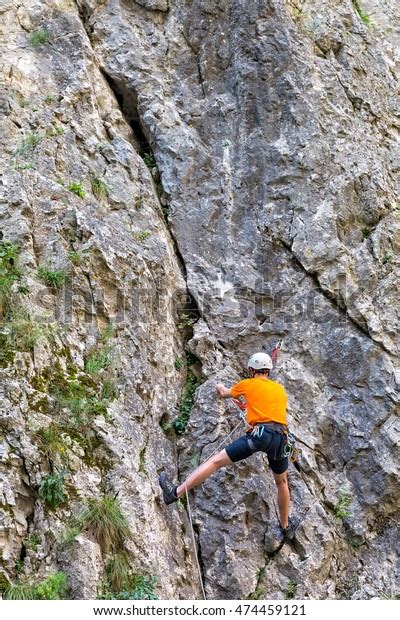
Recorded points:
(20,592)
(53,588)
(76,256)
(29,143)
(51,442)
(341,508)
(51,489)
(39,37)
(104,519)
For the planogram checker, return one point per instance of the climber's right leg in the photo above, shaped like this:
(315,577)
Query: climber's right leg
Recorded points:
(172,493)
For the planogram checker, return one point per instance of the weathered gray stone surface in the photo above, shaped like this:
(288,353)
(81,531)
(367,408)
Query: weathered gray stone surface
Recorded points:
(274,129)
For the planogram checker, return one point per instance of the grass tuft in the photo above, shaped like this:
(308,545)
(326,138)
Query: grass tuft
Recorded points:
(99,187)
(104,519)
(53,588)
(54,278)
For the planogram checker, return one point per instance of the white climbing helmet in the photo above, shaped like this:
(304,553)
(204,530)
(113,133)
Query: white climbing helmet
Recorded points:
(259,361)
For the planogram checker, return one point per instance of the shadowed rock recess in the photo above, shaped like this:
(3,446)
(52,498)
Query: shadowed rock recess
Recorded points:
(184,182)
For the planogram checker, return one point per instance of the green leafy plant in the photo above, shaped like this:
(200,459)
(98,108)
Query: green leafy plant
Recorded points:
(32,541)
(104,519)
(366,232)
(361,13)
(99,187)
(149,160)
(341,508)
(51,489)
(141,588)
(185,321)
(388,257)
(185,406)
(80,400)
(49,99)
(54,278)
(291,589)
(76,188)
(53,588)
(39,37)
(141,235)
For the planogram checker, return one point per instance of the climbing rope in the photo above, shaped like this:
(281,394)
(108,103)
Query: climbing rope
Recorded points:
(190,511)
(194,544)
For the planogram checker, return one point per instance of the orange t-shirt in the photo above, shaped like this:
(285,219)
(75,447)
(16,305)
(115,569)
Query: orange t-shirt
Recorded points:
(266,400)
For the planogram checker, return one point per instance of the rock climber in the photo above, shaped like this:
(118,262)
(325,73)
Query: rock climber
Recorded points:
(266,402)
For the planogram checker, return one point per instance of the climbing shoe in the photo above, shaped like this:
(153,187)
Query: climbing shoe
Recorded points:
(289,532)
(168,489)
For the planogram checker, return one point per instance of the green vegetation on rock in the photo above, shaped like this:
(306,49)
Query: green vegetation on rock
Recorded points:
(186,404)
(140,588)
(51,489)
(76,188)
(361,13)
(105,521)
(53,588)
(54,278)
(291,589)
(99,187)
(39,37)
(341,508)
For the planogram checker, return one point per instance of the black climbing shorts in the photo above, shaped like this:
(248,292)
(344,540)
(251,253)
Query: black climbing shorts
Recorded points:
(269,441)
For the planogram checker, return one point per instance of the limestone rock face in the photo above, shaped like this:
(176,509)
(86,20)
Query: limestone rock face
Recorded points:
(268,209)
